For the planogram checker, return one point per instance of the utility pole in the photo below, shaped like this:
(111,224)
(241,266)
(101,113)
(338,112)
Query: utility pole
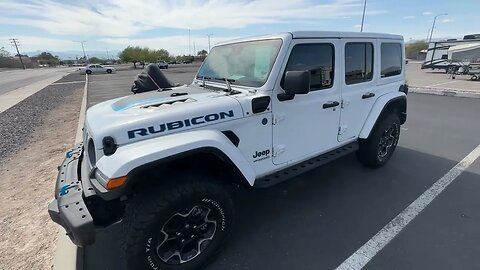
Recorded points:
(15,43)
(108,56)
(363,15)
(433,25)
(83,49)
(194,51)
(189,44)
(209,35)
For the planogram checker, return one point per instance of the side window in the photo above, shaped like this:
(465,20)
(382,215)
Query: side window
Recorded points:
(98,66)
(391,59)
(358,62)
(91,66)
(316,58)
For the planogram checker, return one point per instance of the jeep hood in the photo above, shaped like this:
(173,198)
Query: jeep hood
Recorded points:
(152,114)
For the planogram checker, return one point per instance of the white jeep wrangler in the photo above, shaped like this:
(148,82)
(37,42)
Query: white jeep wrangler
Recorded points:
(259,111)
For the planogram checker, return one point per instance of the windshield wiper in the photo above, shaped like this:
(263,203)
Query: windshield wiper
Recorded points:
(227,82)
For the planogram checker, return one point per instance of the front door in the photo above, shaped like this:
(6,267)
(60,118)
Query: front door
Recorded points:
(307,125)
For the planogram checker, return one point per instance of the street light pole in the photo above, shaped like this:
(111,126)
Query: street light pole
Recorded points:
(209,35)
(83,49)
(363,15)
(433,25)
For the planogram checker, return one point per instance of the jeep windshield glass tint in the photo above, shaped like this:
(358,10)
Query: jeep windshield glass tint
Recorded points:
(245,63)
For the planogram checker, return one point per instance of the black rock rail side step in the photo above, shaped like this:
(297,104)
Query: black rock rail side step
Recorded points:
(305,166)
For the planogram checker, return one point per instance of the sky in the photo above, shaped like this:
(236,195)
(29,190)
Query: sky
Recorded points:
(114,24)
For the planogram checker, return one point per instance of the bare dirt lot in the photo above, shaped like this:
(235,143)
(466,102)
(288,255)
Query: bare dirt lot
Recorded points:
(27,235)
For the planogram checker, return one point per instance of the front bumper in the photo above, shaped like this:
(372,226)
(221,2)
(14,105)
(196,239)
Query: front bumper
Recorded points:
(69,209)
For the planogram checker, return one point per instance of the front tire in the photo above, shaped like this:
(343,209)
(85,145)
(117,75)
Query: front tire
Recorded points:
(177,226)
(376,150)
(88,72)
(109,71)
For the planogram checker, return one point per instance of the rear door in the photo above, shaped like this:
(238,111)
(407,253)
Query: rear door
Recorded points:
(307,125)
(358,86)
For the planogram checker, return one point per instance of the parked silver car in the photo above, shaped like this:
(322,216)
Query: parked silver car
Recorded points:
(94,68)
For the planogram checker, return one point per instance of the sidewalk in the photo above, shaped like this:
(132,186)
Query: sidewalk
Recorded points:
(443,91)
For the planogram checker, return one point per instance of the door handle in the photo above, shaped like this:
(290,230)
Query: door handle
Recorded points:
(330,104)
(368,95)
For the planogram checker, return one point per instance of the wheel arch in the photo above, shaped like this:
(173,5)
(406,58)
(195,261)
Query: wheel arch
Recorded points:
(206,151)
(205,160)
(396,103)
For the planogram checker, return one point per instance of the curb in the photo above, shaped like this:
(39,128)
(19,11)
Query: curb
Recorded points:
(67,255)
(451,92)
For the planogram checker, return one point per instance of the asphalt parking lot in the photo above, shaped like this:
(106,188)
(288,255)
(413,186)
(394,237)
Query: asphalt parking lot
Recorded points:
(319,219)
(438,79)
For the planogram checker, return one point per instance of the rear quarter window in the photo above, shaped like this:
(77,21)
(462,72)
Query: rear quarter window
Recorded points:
(391,58)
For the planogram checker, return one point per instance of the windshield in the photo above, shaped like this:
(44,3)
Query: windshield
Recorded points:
(246,63)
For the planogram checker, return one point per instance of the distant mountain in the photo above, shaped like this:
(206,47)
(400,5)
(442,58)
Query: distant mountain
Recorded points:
(72,55)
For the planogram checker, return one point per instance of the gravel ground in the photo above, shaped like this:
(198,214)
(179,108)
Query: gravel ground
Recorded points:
(19,122)
(38,132)
(73,77)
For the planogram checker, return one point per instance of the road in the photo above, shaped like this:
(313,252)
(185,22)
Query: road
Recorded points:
(14,79)
(319,219)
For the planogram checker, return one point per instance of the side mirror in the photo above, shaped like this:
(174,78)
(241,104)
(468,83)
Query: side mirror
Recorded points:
(297,82)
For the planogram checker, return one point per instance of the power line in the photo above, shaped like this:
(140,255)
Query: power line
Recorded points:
(15,43)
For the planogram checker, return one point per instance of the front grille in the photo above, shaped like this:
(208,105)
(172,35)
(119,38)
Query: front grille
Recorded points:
(91,152)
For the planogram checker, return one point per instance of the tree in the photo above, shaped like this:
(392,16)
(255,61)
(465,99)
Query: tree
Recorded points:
(95,60)
(137,54)
(132,54)
(4,53)
(413,49)
(202,53)
(46,58)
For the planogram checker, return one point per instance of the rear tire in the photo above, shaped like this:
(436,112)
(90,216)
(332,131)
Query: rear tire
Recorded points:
(167,227)
(376,150)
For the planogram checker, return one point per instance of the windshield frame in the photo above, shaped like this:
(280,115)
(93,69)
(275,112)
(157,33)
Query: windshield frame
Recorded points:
(233,82)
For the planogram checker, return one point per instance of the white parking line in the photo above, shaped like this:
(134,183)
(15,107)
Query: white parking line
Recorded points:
(438,84)
(365,253)
(60,83)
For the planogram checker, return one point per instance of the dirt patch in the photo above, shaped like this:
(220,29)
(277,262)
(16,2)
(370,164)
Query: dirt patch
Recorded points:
(27,180)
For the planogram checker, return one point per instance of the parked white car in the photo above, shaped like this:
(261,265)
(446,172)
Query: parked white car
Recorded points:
(94,68)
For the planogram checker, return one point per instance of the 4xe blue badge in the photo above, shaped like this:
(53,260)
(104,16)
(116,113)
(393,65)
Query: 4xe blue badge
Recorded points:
(69,154)
(64,189)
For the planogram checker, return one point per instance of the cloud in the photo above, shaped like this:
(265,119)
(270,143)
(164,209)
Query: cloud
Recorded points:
(31,43)
(446,20)
(427,13)
(408,17)
(128,18)
(174,44)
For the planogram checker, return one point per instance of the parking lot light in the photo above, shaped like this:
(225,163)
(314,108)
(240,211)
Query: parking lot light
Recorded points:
(433,25)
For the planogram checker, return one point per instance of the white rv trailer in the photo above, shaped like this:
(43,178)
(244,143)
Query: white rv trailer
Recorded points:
(451,53)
